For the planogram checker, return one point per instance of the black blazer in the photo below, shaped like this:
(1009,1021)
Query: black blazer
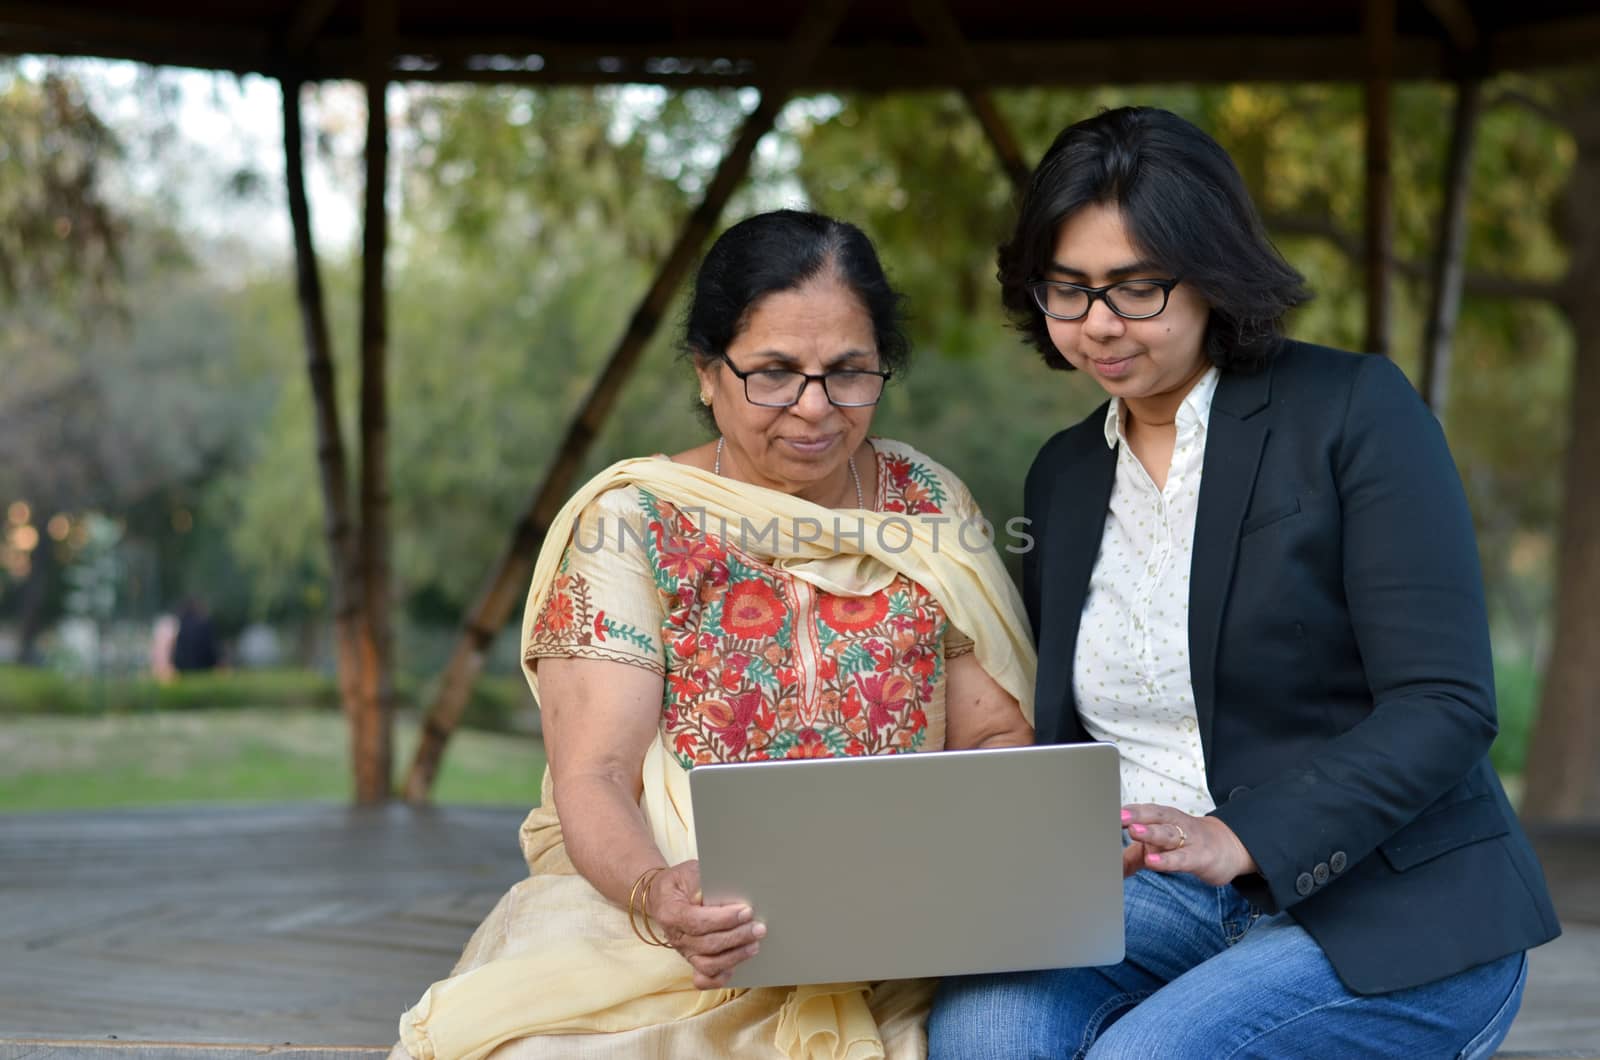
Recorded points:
(1340,657)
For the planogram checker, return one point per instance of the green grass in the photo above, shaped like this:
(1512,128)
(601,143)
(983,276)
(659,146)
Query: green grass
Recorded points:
(257,754)
(497,701)
(235,755)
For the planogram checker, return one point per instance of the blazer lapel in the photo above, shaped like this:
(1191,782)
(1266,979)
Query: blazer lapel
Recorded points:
(1077,521)
(1235,438)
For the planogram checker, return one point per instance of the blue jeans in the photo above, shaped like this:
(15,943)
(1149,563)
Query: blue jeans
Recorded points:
(1207,977)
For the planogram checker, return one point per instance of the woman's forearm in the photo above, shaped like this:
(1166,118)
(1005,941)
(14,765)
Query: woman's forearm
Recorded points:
(1016,733)
(978,712)
(606,835)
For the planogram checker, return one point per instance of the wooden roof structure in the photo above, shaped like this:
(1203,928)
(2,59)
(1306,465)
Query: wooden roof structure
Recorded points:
(972,46)
(879,45)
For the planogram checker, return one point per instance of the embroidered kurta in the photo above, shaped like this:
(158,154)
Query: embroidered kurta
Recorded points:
(1131,670)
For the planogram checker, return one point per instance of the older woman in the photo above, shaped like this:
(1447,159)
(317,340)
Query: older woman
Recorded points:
(781,591)
(1257,579)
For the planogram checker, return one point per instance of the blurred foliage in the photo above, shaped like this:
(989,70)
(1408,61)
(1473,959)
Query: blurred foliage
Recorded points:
(58,235)
(527,225)
(1517,697)
(916,172)
(26,690)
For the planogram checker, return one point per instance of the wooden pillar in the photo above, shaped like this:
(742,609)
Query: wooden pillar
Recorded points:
(940,27)
(1378,32)
(372,737)
(1444,306)
(332,463)
(506,583)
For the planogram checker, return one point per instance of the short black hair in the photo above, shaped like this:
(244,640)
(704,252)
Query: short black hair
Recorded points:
(1185,206)
(780,251)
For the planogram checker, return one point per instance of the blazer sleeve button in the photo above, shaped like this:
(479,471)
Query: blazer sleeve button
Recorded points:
(1320,874)
(1338,862)
(1303,884)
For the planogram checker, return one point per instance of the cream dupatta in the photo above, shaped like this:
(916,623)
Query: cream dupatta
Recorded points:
(558,958)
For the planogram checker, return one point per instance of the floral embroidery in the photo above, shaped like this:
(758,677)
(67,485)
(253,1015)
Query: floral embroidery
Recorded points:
(558,615)
(851,614)
(911,487)
(810,744)
(760,665)
(885,695)
(605,628)
(687,558)
(752,609)
(565,614)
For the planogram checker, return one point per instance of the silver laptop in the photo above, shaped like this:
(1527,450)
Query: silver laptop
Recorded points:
(901,866)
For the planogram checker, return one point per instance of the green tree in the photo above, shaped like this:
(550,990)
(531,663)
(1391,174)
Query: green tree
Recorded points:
(510,282)
(57,233)
(118,396)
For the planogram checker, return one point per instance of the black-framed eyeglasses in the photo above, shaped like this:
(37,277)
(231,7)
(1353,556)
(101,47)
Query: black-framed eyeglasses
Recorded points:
(1129,299)
(778,388)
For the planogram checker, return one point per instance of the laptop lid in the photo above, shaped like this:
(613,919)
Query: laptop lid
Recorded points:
(902,866)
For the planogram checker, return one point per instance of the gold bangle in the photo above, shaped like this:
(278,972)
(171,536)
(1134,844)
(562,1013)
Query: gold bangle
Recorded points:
(633,897)
(646,878)
(649,920)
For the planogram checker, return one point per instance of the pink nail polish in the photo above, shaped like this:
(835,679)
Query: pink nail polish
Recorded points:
(1126,816)
(1154,859)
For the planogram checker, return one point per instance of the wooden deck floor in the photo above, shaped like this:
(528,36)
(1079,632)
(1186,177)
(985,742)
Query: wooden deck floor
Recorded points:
(273,929)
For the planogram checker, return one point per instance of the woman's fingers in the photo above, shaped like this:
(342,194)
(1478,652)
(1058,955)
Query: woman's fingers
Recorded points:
(1159,827)
(1173,841)
(714,943)
(1132,859)
(722,964)
(694,919)
(1169,840)
(681,881)
(1161,836)
(674,902)
(712,938)
(1147,813)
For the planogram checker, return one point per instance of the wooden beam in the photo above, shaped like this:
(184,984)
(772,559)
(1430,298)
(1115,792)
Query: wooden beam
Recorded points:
(308,19)
(56,30)
(944,32)
(1573,41)
(372,738)
(870,68)
(1449,264)
(88,25)
(1378,17)
(1001,64)
(1020,62)
(1457,21)
(506,583)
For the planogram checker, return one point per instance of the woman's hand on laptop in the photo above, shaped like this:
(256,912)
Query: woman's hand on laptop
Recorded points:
(712,938)
(1168,840)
